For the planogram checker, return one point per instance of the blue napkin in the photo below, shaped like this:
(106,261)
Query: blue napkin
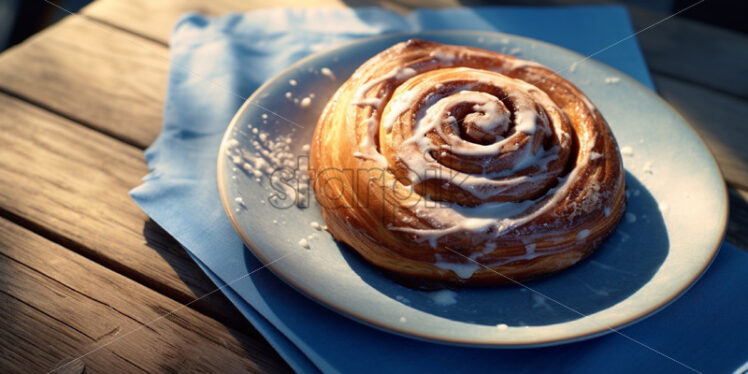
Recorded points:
(217,62)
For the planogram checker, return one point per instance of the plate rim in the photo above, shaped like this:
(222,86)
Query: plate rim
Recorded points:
(441,339)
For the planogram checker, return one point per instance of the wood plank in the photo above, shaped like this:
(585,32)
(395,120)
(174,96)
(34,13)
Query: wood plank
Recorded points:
(57,305)
(154,19)
(737,226)
(721,134)
(92,73)
(679,47)
(696,103)
(72,183)
(719,118)
(694,51)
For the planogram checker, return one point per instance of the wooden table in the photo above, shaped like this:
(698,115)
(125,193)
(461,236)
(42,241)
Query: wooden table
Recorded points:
(82,266)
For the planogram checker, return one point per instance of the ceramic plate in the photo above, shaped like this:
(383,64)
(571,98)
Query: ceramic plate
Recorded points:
(674,224)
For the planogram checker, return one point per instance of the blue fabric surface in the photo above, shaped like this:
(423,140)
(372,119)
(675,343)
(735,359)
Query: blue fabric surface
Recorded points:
(217,62)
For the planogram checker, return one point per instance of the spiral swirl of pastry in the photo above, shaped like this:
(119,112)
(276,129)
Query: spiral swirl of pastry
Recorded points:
(449,165)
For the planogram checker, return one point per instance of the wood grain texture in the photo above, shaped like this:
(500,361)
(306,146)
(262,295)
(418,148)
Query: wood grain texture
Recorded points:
(92,102)
(108,79)
(72,183)
(57,305)
(154,19)
(719,118)
(678,47)
(694,51)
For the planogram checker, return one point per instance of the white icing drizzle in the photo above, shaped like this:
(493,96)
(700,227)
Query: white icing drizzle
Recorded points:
(441,56)
(583,234)
(490,115)
(462,270)
(399,75)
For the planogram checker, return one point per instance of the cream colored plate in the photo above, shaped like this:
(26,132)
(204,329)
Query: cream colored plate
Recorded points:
(676,194)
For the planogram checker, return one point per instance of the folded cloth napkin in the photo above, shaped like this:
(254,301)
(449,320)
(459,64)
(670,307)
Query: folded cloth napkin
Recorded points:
(217,62)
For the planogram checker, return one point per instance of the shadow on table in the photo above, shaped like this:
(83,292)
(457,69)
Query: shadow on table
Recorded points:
(622,265)
(215,305)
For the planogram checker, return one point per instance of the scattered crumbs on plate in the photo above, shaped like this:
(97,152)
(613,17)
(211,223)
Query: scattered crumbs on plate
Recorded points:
(402,298)
(624,236)
(502,326)
(539,301)
(305,148)
(240,202)
(315,225)
(612,80)
(303,243)
(328,73)
(630,217)
(305,102)
(627,151)
(288,95)
(293,82)
(443,297)
(403,319)
(648,167)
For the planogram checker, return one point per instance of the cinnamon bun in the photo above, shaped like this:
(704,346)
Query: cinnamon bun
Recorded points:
(449,165)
